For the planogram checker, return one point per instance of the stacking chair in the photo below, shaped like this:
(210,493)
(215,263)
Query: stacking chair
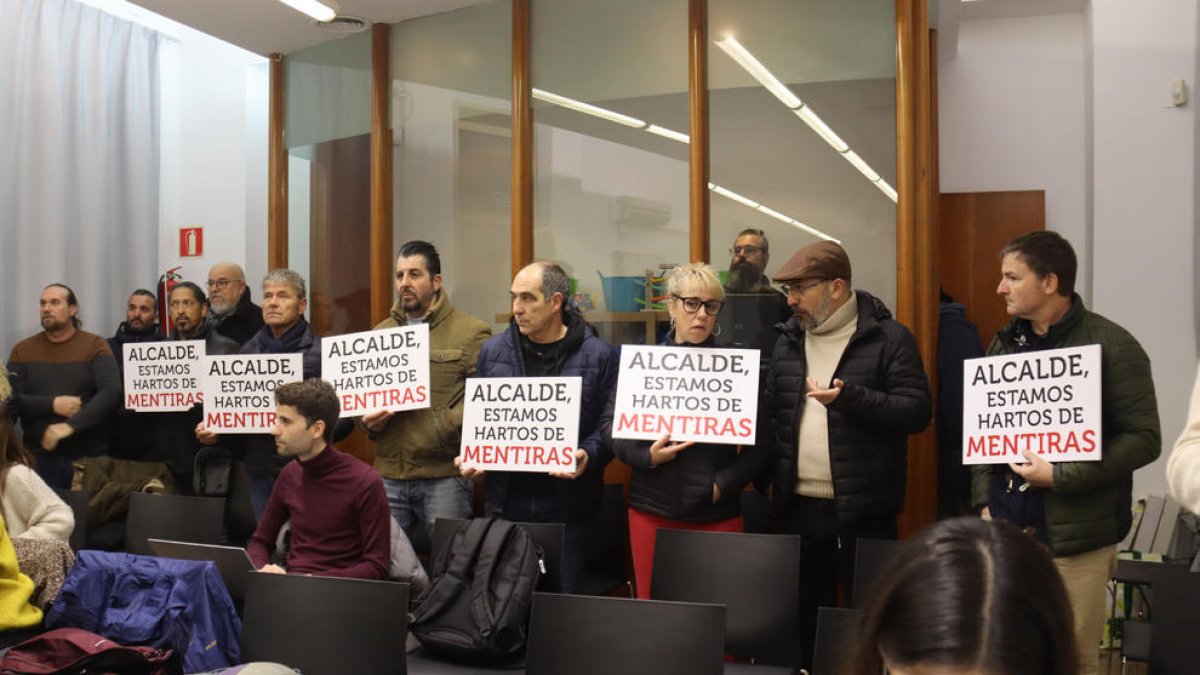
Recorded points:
(78,501)
(835,639)
(871,558)
(590,635)
(174,517)
(756,576)
(326,625)
(1174,649)
(549,536)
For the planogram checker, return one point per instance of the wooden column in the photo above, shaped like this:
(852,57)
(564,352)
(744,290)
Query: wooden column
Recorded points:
(916,289)
(277,169)
(698,239)
(381,173)
(522,140)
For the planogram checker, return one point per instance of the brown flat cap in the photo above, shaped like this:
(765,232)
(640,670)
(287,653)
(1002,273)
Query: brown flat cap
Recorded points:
(822,260)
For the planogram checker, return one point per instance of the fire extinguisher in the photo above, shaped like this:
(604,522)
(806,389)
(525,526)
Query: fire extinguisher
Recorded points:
(169,280)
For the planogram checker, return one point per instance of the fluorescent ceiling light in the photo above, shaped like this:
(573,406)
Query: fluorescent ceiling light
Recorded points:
(818,125)
(317,10)
(861,165)
(887,189)
(588,109)
(730,194)
(758,71)
(669,133)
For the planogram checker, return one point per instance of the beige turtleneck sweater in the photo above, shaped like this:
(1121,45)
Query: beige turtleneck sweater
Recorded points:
(823,347)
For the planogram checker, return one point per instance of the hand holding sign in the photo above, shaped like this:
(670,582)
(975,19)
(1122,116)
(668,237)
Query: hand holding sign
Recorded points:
(1037,471)
(661,453)
(581,460)
(377,421)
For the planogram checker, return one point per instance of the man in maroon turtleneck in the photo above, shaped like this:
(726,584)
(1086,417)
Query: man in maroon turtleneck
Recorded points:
(336,504)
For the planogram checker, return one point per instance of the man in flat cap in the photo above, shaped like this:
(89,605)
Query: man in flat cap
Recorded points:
(845,389)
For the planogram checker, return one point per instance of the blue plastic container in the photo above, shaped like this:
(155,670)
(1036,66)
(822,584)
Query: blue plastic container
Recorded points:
(621,294)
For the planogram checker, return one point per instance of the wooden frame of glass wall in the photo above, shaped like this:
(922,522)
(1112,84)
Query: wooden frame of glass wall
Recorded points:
(916,169)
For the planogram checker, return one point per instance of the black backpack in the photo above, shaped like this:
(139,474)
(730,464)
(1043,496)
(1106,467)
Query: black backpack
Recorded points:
(477,606)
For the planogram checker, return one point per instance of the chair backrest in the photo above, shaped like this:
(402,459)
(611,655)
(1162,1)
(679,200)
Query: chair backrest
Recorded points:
(756,576)
(78,501)
(835,639)
(871,558)
(590,635)
(174,517)
(326,625)
(549,536)
(1174,648)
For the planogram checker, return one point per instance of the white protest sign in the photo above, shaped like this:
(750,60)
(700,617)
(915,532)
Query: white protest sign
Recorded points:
(521,423)
(379,369)
(691,393)
(239,390)
(1047,402)
(163,376)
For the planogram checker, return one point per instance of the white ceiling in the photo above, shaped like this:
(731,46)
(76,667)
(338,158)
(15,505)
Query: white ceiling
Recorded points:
(267,26)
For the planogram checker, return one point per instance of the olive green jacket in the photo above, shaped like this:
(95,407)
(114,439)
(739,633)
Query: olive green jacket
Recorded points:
(1089,505)
(423,443)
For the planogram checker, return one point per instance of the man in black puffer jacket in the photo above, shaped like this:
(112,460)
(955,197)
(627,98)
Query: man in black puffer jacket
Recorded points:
(845,389)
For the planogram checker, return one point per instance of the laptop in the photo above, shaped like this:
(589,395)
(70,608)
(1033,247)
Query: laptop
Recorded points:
(232,562)
(326,625)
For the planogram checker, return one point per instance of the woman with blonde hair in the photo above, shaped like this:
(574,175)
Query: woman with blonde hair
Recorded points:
(689,485)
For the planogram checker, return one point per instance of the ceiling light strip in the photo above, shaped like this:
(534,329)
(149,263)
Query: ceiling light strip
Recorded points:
(588,109)
(767,79)
(746,201)
(318,11)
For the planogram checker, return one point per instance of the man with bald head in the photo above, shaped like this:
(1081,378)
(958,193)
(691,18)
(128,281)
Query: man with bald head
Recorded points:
(237,318)
(547,339)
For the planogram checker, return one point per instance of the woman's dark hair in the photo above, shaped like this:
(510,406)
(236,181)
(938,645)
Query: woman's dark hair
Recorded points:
(11,449)
(973,595)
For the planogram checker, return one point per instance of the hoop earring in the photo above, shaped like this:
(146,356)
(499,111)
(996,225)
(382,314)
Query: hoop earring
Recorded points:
(717,331)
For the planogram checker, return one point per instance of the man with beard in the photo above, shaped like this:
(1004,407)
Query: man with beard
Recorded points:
(415,449)
(845,389)
(236,317)
(751,253)
(129,438)
(65,387)
(752,305)
(174,432)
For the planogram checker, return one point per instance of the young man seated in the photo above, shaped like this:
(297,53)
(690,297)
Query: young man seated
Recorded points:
(340,521)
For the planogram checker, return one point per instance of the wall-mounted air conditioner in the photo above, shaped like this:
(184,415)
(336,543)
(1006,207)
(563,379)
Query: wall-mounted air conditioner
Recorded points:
(627,210)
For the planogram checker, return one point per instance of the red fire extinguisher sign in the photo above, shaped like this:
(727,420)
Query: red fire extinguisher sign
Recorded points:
(191,242)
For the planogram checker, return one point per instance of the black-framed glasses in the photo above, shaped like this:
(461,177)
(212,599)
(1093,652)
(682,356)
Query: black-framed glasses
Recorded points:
(797,289)
(745,250)
(215,284)
(693,305)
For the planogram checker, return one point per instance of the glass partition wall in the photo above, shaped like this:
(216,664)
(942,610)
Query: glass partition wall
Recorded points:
(802,105)
(328,124)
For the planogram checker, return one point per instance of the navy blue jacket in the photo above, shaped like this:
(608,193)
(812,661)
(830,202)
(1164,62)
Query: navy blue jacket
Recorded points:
(594,360)
(261,458)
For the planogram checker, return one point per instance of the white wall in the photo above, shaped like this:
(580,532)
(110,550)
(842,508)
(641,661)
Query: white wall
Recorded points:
(214,154)
(1076,104)
(1144,165)
(1011,110)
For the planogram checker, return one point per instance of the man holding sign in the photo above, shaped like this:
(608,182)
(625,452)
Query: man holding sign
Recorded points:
(1080,509)
(546,339)
(415,449)
(286,331)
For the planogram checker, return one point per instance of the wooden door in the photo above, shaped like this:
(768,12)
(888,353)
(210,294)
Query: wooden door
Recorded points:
(974,227)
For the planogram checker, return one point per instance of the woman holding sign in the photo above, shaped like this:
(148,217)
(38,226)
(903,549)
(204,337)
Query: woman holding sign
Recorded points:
(689,485)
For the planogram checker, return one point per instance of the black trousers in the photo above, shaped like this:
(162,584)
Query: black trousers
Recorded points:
(827,551)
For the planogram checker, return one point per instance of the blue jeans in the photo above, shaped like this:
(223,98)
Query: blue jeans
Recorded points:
(417,503)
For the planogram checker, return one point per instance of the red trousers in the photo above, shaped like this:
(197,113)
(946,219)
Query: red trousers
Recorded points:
(643,528)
